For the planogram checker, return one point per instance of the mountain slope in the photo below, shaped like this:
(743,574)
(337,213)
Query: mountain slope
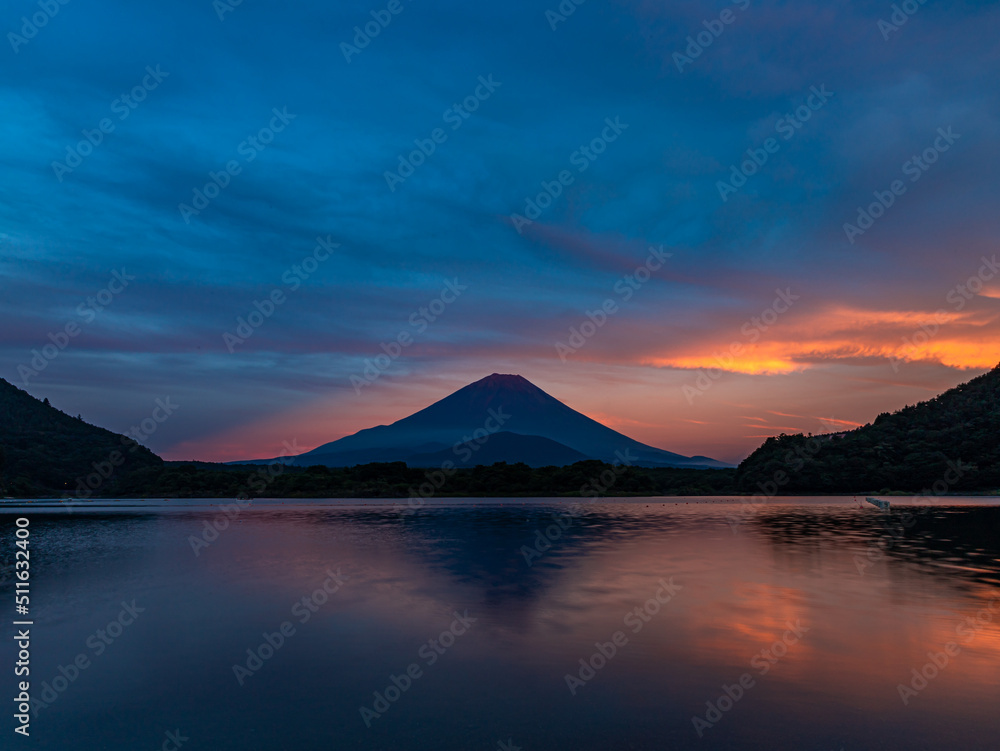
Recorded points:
(952,440)
(45,450)
(511,448)
(506,403)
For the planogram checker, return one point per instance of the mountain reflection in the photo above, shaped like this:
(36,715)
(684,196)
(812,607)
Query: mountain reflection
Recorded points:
(779,599)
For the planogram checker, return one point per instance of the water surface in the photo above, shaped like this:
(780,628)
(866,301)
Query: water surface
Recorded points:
(822,608)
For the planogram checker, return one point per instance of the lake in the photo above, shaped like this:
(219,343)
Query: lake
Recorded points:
(659,623)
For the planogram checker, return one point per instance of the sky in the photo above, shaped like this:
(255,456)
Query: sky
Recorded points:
(702,223)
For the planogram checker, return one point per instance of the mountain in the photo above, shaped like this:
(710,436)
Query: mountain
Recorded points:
(45,450)
(523,423)
(948,444)
(512,448)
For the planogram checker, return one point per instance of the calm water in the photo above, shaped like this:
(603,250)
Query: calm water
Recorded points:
(796,600)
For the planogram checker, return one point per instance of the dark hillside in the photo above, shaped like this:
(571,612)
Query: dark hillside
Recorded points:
(948,444)
(43,450)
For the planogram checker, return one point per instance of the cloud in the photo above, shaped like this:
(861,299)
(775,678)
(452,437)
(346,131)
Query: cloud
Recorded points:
(655,185)
(959,340)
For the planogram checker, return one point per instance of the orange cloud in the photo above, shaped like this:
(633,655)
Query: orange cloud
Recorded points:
(991,292)
(965,340)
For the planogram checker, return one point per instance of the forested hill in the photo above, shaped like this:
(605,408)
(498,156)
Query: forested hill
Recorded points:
(43,450)
(946,445)
(952,440)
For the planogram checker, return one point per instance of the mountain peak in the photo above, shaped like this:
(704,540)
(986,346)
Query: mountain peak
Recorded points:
(501,377)
(504,382)
(509,402)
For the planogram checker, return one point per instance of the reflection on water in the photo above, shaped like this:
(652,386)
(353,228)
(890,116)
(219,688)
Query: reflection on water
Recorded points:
(632,625)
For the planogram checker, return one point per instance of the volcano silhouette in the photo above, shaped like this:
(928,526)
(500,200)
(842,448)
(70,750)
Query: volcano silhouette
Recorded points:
(522,422)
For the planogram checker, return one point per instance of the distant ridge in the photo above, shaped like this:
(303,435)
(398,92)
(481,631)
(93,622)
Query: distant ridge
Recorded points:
(538,428)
